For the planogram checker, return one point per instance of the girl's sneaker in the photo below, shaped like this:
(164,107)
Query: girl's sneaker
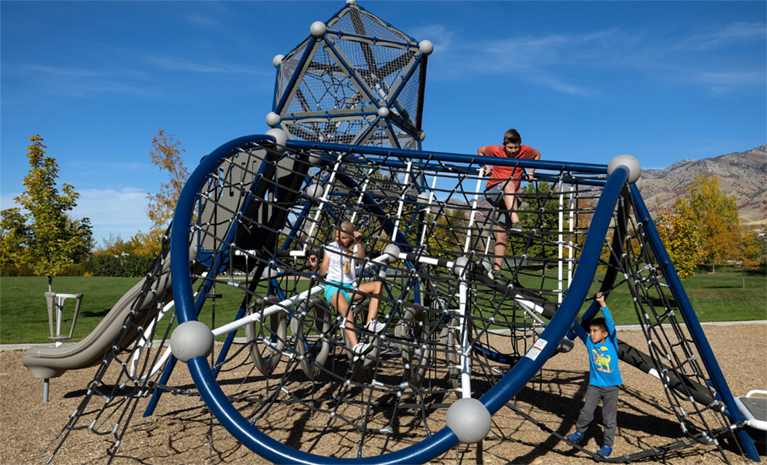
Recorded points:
(575,437)
(360,349)
(375,326)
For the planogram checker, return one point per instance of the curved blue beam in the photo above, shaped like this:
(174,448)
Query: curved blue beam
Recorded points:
(434,445)
(691,320)
(515,379)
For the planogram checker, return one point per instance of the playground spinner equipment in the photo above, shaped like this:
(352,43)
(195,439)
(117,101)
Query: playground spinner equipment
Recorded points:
(345,144)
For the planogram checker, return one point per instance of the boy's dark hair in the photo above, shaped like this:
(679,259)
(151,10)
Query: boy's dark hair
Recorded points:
(599,323)
(512,137)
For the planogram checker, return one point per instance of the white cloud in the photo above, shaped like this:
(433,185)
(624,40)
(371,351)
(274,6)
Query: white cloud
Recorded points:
(727,36)
(437,34)
(182,64)
(114,211)
(203,20)
(6,201)
(111,211)
(542,61)
(80,82)
(554,61)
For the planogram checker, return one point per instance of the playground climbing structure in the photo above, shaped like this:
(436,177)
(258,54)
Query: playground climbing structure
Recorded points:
(346,145)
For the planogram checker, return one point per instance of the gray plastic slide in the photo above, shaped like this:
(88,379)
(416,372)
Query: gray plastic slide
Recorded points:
(52,362)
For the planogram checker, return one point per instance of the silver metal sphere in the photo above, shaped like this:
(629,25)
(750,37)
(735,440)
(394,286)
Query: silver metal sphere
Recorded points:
(426,47)
(315,191)
(277,60)
(318,29)
(191,339)
(393,252)
(460,265)
(383,112)
(469,419)
(631,163)
(280,136)
(273,119)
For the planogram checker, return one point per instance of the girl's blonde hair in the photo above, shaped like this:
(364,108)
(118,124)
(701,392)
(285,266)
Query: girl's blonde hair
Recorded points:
(349,228)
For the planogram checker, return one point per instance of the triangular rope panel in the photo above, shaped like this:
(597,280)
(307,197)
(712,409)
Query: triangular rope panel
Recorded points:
(406,104)
(360,22)
(378,65)
(325,86)
(337,132)
(288,68)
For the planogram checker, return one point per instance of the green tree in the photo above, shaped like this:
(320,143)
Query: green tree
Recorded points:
(542,215)
(716,215)
(13,238)
(46,238)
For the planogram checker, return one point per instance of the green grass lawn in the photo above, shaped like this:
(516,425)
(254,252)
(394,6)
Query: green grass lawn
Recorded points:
(24,317)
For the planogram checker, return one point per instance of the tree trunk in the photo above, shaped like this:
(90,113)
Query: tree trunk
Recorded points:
(743,273)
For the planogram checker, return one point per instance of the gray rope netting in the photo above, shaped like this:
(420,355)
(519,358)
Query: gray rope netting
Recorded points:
(453,327)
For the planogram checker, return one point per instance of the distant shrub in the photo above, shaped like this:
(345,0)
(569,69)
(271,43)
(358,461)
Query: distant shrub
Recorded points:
(127,266)
(11,270)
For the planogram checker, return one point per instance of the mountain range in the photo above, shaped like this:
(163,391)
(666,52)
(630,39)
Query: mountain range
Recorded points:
(742,174)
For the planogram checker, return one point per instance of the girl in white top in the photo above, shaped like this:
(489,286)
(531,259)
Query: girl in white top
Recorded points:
(338,268)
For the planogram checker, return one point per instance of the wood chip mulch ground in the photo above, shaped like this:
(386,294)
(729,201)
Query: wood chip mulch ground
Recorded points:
(180,431)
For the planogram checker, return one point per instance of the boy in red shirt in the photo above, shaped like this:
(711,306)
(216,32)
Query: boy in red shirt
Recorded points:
(503,185)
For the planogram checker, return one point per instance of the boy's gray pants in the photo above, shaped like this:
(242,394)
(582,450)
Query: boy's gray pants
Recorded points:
(609,396)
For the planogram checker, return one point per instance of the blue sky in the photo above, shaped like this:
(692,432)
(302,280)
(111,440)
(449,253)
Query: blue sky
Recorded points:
(581,81)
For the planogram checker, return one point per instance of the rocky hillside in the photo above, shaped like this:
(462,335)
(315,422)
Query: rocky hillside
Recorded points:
(742,174)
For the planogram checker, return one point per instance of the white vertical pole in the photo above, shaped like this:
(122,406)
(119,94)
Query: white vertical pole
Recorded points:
(463,303)
(323,200)
(560,252)
(428,209)
(473,212)
(463,321)
(401,202)
(572,246)
(362,194)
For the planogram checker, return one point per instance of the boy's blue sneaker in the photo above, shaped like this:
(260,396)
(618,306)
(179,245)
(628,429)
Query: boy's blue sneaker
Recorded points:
(575,437)
(605,451)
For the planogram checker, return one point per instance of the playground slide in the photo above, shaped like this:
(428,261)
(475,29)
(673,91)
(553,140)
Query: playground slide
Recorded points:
(52,362)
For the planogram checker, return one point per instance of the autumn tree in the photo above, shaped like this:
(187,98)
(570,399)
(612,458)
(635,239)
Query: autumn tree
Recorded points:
(166,156)
(678,228)
(716,216)
(750,252)
(44,238)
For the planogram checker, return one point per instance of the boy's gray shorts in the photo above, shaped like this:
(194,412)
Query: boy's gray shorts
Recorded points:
(494,195)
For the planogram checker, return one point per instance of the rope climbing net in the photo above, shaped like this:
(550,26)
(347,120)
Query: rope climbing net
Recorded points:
(453,327)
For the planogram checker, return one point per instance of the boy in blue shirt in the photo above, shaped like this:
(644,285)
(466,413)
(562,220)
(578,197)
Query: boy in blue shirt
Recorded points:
(604,378)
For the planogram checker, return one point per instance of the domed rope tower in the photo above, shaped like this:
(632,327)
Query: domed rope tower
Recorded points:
(459,341)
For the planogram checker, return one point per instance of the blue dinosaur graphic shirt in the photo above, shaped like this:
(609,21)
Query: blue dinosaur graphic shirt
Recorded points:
(603,357)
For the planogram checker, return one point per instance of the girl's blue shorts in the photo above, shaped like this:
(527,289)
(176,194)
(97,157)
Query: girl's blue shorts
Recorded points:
(334,286)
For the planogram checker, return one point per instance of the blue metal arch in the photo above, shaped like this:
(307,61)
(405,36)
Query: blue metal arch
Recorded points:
(443,440)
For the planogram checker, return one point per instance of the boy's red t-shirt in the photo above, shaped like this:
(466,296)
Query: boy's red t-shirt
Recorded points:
(502,173)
